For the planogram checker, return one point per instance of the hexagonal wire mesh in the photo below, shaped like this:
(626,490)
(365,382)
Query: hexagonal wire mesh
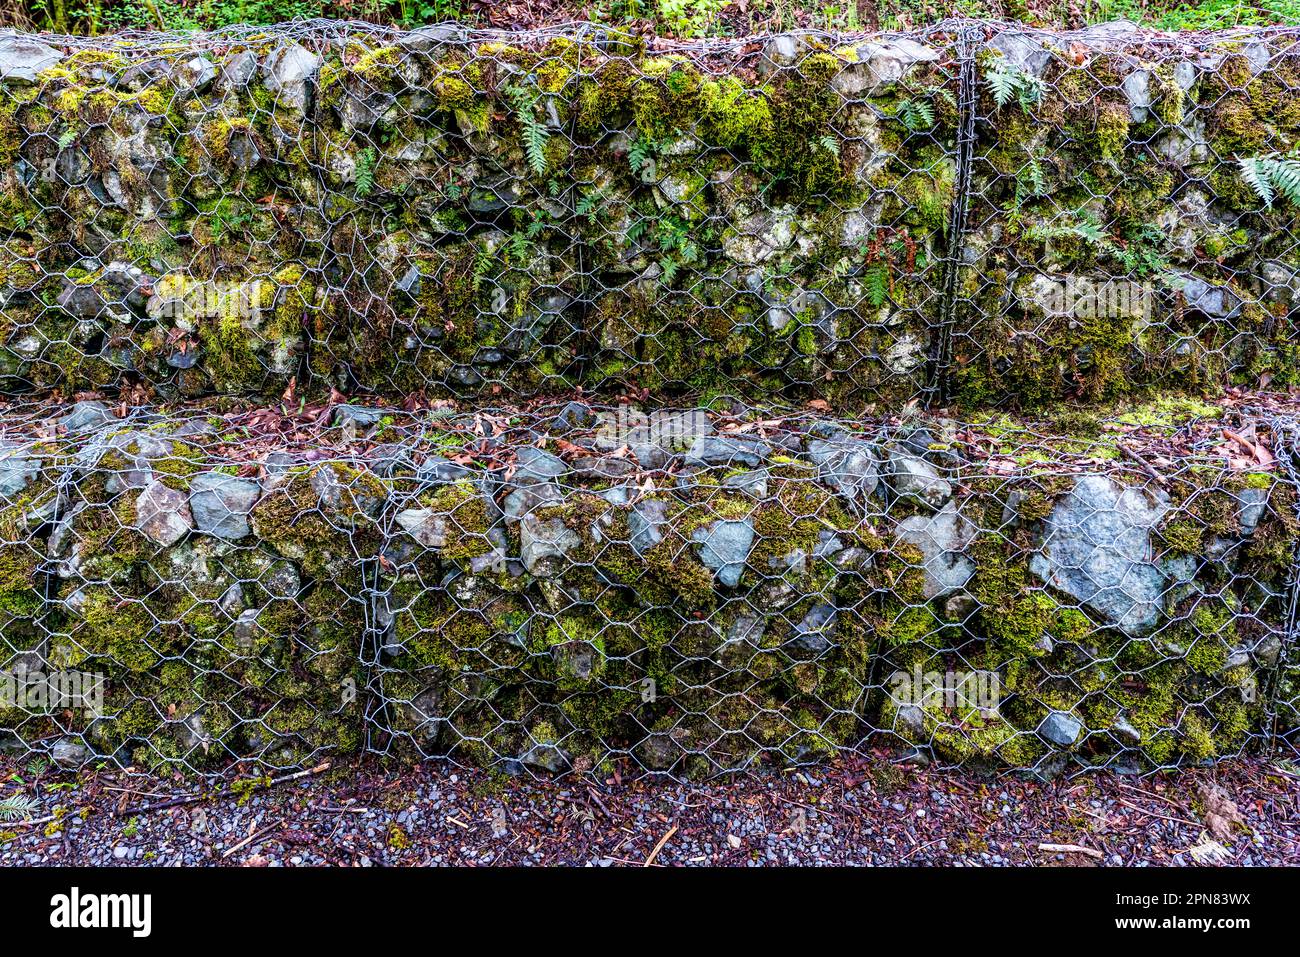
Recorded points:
(573,586)
(975,213)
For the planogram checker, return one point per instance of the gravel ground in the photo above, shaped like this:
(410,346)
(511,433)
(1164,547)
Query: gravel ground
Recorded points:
(857,811)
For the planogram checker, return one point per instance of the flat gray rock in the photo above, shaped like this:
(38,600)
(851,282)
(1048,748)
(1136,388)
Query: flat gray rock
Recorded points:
(162,514)
(221,504)
(23,57)
(1096,547)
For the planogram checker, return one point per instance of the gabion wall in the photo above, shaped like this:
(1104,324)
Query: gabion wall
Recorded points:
(863,220)
(525,588)
(567,401)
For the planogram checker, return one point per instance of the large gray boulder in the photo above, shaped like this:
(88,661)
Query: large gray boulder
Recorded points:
(877,67)
(847,465)
(534,465)
(916,480)
(1096,547)
(288,73)
(16,472)
(545,545)
(162,514)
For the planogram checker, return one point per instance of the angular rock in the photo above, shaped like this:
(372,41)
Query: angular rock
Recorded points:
(88,415)
(23,57)
(644,521)
(727,451)
(545,545)
(427,526)
(288,73)
(943,539)
(847,465)
(17,471)
(876,68)
(913,478)
(1061,728)
(533,465)
(221,504)
(162,514)
(1096,547)
(723,547)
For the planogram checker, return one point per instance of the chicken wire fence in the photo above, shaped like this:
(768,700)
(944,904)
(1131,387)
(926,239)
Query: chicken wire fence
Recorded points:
(576,587)
(979,213)
(409,237)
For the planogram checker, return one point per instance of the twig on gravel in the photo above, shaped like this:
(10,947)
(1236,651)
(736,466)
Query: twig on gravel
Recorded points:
(660,846)
(251,838)
(921,847)
(195,798)
(1142,463)
(1070,849)
(1151,794)
(1163,817)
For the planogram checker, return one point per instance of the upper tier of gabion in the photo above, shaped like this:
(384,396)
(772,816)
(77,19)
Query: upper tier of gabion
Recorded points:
(975,213)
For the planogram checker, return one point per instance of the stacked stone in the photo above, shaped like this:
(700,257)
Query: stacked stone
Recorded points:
(476,215)
(1070,229)
(542,591)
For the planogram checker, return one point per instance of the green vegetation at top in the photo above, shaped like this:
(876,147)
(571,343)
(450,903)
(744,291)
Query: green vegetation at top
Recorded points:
(680,18)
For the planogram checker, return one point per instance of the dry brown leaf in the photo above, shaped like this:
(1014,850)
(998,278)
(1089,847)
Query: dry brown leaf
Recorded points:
(1219,811)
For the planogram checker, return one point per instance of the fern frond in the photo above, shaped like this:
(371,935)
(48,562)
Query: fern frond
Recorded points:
(366,171)
(17,806)
(916,114)
(876,281)
(1271,176)
(1003,83)
(532,131)
(1285,177)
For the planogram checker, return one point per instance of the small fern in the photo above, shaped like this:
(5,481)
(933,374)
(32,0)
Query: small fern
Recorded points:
(1002,83)
(532,130)
(830,144)
(1271,176)
(876,281)
(1007,83)
(366,171)
(916,114)
(17,806)
(640,153)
